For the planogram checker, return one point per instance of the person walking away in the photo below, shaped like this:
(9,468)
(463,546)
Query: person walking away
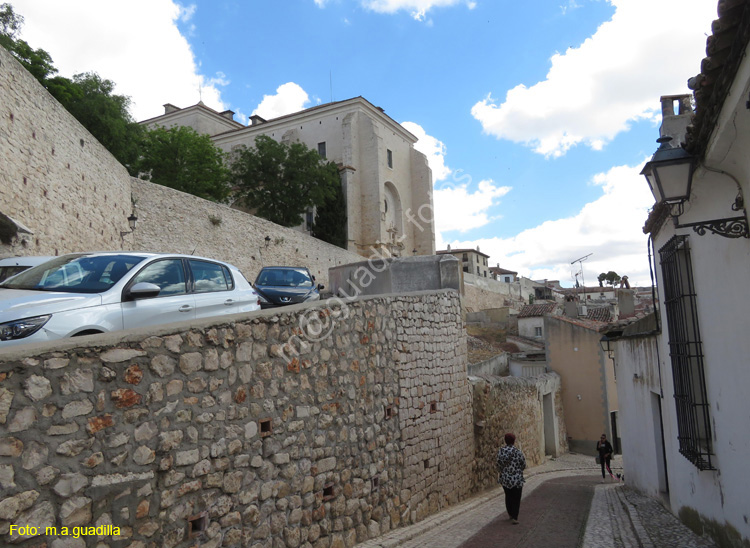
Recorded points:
(604,448)
(511,464)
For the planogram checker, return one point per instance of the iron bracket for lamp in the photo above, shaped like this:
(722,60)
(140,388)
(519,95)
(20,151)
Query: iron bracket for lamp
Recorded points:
(132,221)
(730,227)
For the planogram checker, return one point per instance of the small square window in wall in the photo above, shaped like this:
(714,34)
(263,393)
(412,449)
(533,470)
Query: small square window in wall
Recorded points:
(433,407)
(388,411)
(197,524)
(266,427)
(322,149)
(328,492)
(389,153)
(375,484)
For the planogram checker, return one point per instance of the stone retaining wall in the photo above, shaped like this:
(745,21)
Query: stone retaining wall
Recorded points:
(510,404)
(222,429)
(170,221)
(73,195)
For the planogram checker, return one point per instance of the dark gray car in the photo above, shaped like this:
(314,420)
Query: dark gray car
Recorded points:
(285,285)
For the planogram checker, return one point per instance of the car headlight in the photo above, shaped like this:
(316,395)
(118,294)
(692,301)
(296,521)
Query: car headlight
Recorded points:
(19,329)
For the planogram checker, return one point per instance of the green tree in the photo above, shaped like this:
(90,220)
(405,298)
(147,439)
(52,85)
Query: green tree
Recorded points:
(88,97)
(602,277)
(330,220)
(611,277)
(280,181)
(185,160)
(91,99)
(37,61)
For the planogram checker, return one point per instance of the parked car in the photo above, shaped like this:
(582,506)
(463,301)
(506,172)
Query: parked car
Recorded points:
(285,285)
(86,293)
(11,266)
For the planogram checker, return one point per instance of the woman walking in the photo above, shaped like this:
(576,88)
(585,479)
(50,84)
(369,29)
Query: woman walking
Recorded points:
(604,448)
(511,464)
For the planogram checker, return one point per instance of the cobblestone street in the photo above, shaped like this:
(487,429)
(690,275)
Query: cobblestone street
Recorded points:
(565,505)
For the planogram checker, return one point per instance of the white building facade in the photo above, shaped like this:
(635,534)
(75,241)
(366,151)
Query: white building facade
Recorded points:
(387,183)
(683,382)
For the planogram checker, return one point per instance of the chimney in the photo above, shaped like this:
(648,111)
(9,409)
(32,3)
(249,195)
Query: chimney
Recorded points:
(228,114)
(674,124)
(256,120)
(449,248)
(170,108)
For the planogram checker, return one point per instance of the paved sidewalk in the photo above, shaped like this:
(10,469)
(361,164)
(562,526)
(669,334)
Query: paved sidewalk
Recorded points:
(566,505)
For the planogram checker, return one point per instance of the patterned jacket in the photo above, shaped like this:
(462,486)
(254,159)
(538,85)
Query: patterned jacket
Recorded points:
(511,464)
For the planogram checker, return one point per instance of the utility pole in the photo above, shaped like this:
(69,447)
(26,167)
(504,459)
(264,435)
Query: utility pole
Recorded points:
(580,265)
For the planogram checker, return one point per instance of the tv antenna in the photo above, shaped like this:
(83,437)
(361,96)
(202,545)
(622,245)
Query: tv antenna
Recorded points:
(580,265)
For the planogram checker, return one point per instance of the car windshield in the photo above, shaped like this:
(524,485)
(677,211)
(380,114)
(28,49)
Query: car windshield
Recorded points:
(284,277)
(75,273)
(8,271)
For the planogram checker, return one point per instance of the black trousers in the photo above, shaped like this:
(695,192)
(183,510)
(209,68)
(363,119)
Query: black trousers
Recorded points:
(605,462)
(513,500)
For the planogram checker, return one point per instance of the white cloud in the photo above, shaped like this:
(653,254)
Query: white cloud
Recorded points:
(290,97)
(592,92)
(432,148)
(135,44)
(458,208)
(417,8)
(610,228)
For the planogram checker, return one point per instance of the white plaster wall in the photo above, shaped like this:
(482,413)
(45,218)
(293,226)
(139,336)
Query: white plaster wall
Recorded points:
(720,267)
(527,327)
(639,432)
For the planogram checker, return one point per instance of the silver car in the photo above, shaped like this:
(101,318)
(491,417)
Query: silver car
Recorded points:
(11,266)
(86,293)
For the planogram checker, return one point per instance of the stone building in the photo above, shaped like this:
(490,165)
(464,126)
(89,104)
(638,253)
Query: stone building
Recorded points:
(473,261)
(386,181)
(503,275)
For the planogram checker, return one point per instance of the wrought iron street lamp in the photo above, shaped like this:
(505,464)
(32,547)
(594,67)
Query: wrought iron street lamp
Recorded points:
(670,177)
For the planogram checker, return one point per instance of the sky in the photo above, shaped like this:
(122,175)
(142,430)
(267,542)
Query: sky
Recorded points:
(536,117)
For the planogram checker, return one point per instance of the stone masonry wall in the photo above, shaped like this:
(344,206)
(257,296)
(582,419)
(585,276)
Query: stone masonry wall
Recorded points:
(512,404)
(170,221)
(61,184)
(220,430)
(57,180)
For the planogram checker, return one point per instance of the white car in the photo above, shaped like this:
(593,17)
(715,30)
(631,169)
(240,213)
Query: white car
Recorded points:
(86,293)
(10,266)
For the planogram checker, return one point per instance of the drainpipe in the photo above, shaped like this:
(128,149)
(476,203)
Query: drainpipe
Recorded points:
(656,313)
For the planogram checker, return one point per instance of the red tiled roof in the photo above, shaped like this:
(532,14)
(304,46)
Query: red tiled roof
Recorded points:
(725,49)
(498,270)
(599,314)
(532,310)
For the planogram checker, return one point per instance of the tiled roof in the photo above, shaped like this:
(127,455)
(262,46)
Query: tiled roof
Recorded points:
(498,270)
(725,49)
(453,251)
(599,314)
(585,323)
(531,310)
